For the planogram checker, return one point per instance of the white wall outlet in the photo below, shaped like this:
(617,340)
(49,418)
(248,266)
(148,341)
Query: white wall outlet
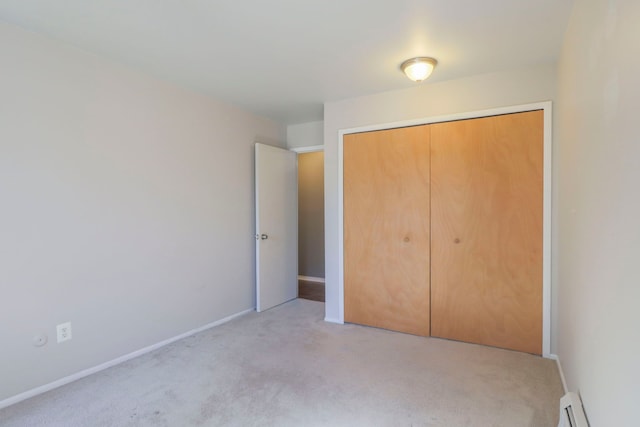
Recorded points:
(64,331)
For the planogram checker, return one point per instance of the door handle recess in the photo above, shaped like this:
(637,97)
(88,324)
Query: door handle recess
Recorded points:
(264,237)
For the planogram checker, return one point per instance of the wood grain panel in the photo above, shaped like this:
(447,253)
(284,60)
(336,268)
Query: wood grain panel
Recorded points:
(386,229)
(486,216)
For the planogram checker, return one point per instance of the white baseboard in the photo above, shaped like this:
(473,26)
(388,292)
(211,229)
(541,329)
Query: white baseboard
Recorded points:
(311,279)
(560,371)
(84,373)
(331,320)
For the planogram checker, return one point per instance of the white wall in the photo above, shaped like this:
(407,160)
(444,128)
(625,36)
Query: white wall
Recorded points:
(305,134)
(427,100)
(599,209)
(127,209)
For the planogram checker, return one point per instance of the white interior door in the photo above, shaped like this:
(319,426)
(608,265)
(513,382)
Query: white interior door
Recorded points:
(276,226)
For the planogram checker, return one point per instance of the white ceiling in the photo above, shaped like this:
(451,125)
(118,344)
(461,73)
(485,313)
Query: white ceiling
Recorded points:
(285,58)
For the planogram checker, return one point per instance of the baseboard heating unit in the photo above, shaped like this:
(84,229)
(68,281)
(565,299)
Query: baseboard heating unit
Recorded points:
(571,411)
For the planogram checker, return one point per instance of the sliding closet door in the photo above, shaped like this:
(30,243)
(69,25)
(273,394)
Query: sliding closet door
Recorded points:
(486,216)
(386,229)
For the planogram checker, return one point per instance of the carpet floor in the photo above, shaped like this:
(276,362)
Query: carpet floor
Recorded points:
(287,367)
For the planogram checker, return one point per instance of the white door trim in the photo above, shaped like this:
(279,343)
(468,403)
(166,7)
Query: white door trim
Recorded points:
(546,211)
(309,149)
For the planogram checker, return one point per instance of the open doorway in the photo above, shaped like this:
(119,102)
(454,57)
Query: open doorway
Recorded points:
(311,225)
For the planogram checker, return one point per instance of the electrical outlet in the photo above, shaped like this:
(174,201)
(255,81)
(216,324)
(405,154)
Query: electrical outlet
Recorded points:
(64,332)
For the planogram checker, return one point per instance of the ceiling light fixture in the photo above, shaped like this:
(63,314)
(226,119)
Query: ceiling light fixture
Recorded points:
(418,69)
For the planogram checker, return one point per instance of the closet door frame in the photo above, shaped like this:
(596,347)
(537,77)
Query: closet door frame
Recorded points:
(546,107)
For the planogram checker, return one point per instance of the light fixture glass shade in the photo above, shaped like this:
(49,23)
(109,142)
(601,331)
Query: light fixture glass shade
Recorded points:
(418,69)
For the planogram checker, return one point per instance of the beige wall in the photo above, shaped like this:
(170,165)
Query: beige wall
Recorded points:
(599,209)
(127,209)
(482,92)
(311,214)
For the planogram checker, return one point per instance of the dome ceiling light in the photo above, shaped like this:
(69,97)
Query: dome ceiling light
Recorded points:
(418,69)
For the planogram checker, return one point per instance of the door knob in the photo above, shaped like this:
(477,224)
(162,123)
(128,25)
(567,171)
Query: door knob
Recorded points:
(264,236)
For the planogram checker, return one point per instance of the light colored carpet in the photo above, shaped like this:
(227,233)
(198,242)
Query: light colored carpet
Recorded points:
(287,367)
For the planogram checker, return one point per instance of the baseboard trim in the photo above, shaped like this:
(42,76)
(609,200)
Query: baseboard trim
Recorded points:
(86,372)
(560,371)
(311,279)
(332,320)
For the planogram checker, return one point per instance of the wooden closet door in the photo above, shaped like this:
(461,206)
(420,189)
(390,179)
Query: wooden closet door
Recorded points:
(386,229)
(486,225)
